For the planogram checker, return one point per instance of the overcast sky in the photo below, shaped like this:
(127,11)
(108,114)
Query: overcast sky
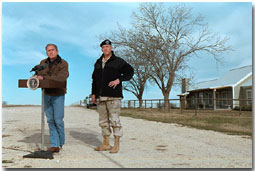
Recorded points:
(75,27)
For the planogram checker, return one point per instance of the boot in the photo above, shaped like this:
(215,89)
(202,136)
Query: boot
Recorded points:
(116,146)
(105,146)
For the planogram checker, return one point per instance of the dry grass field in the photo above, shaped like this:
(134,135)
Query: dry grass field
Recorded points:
(227,121)
(21,106)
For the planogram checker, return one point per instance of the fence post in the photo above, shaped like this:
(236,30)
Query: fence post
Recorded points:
(180,104)
(159,104)
(214,99)
(240,107)
(145,104)
(151,103)
(134,104)
(195,106)
(169,106)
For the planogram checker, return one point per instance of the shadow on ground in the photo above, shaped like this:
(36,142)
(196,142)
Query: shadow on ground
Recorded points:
(86,137)
(36,139)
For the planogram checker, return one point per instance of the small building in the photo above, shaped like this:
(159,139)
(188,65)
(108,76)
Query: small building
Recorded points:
(232,90)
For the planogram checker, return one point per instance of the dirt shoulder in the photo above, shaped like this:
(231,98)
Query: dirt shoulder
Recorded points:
(145,144)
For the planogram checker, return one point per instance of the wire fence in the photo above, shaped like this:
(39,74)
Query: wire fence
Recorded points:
(191,104)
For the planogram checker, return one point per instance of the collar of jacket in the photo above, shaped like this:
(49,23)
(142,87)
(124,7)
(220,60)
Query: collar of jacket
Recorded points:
(57,60)
(111,58)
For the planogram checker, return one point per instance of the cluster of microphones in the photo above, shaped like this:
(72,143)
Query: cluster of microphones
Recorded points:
(38,67)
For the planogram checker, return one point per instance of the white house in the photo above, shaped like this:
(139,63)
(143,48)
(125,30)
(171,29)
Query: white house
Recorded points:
(232,89)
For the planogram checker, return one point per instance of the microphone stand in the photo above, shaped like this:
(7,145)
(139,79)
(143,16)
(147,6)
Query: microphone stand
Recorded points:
(41,154)
(42,121)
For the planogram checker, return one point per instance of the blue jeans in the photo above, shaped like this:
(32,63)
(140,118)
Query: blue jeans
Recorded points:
(54,109)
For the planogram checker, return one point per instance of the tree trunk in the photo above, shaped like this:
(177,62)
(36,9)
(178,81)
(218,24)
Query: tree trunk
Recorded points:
(140,102)
(166,101)
(140,99)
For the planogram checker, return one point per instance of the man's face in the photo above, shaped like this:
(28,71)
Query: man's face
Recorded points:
(107,49)
(51,52)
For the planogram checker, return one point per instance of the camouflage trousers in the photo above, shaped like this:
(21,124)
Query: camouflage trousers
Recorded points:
(109,112)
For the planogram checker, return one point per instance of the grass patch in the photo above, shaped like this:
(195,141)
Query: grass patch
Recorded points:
(27,166)
(7,161)
(226,121)
(3,136)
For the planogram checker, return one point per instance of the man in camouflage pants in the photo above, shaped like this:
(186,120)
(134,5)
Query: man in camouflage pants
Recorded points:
(109,72)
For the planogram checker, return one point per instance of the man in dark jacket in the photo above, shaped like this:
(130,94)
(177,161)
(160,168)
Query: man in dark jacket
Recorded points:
(54,98)
(109,72)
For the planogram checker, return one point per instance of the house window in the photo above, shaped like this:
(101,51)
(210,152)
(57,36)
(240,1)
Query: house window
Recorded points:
(210,97)
(224,98)
(206,99)
(201,98)
(192,101)
(248,96)
(217,98)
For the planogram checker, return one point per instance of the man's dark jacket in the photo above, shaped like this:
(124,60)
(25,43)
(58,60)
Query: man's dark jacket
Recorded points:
(114,68)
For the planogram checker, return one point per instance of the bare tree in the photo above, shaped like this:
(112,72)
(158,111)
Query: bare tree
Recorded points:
(168,39)
(126,47)
(138,83)
(134,57)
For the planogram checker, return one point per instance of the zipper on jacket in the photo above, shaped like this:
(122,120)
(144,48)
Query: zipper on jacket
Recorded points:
(100,92)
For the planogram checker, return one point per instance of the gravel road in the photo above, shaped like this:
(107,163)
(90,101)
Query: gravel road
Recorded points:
(145,144)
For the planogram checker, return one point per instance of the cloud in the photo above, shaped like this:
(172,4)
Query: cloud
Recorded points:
(75,27)
(22,57)
(73,24)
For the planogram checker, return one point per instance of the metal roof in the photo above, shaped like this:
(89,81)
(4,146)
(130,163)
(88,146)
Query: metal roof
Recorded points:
(230,78)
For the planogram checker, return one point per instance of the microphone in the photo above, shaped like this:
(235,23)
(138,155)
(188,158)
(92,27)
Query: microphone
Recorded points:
(39,67)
